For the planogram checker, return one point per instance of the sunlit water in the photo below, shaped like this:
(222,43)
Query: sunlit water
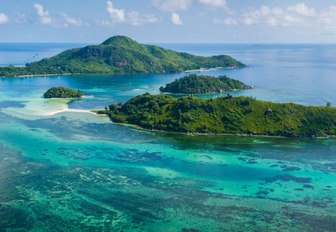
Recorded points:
(66,169)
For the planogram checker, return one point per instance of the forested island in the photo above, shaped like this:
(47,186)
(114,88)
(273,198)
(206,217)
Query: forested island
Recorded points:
(119,55)
(199,84)
(239,115)
(62,92)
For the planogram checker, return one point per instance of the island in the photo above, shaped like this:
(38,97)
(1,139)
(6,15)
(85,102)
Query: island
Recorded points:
(119,55)
(238,115)
(199,84)
(62,92)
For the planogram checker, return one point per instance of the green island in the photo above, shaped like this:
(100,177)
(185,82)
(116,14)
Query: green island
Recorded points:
(62,92)
(199,84)
(239,115)
(119,55)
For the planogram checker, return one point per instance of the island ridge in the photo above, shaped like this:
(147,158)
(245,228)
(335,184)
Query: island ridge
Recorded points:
(239,115)
(119,55)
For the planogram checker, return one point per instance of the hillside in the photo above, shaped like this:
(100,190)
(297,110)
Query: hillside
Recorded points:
(240,115)
(118,55)
(194,84)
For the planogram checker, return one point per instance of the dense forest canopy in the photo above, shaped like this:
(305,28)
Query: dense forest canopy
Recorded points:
(239,115)
(199,84)
(62,92)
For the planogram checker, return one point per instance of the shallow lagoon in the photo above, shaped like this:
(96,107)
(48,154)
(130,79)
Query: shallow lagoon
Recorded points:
(76,171)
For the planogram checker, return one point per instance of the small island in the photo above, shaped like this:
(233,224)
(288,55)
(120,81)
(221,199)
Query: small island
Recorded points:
(238,115)
(119,55)
(199,84)
(62,92)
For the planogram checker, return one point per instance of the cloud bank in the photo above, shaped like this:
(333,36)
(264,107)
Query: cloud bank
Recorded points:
(44,15)
(3,18)
(133,17)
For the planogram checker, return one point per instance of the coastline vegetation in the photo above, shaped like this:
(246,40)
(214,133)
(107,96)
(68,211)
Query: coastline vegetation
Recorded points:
(199,84)
(239,115)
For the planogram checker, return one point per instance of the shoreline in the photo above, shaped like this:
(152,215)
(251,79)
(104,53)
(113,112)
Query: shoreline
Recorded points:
(67,110)
(209,93)
(37,75)
(211,69)
(206,69)
(109,74)
(215,134)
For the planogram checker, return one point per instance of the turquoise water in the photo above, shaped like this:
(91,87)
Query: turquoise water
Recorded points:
(66,169)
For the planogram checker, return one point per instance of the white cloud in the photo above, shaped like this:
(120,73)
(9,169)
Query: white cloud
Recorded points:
(175,19)
(214,3)
(301,17)
(3,18)
(272,21)
(172,5)
(70,21)
(277,11)
(132,17)
(181,5)
(226,21)
(118,15)
(273,16)
(63,20)
(136,19)
(302,9)
(327,19)
(44,15)
(291,19)
(249,21)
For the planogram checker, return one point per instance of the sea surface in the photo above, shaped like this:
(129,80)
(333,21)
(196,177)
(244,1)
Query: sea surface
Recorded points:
(63,168)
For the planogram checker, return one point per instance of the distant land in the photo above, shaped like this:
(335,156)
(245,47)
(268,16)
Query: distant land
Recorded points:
(119,55)
(199,84)
(239,115)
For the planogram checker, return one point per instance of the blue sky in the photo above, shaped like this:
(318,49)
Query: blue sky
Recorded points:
(157,21)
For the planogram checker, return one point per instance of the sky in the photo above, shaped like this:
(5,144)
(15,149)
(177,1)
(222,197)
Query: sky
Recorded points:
(169,21)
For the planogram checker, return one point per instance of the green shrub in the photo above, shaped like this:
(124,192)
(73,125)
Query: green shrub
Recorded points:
(62,92)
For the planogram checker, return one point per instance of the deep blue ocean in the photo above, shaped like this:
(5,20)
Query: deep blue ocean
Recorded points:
(64,168)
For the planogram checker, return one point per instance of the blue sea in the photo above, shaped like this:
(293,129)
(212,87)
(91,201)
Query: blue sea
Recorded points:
(64,168)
